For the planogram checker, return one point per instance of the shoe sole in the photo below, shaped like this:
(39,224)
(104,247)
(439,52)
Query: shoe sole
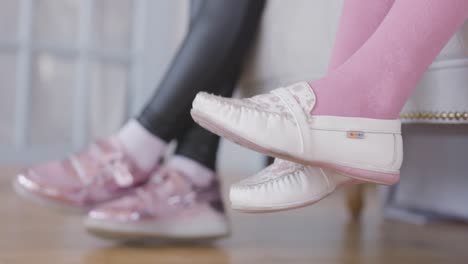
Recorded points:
(289,206)
(47,202)
(206,230)
(359,174)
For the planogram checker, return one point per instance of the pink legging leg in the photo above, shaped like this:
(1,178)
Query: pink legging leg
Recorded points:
(359,19)
(377,79)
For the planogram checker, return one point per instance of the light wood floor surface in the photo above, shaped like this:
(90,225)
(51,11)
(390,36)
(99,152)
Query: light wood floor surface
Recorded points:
(320,234)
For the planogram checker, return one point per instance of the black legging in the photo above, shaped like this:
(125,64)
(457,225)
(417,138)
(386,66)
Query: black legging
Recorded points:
(210,59)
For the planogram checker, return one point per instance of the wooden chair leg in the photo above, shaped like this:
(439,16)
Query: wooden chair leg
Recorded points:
(355,200)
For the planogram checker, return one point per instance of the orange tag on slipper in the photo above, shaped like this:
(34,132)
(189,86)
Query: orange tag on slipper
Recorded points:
(355,134)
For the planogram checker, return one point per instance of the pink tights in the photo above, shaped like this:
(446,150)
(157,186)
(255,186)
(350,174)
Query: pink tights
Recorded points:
(382,50)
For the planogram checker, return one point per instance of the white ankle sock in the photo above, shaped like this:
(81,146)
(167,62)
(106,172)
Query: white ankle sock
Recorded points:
(196,172)
(145,148)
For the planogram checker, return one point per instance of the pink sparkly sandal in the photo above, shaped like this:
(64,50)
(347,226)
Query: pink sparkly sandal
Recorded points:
(168,207)
(100,173)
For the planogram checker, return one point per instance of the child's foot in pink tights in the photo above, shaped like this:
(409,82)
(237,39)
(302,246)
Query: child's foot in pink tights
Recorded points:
(283,124)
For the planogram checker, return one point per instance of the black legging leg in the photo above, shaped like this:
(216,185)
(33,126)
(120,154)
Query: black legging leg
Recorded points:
(212,49)
(193,141)
(198,143)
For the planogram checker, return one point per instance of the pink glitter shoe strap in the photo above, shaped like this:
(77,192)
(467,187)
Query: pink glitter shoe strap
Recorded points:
(170,189)
(108,160)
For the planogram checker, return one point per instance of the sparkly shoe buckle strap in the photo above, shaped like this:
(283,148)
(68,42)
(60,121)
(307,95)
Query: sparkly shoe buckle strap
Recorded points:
(118,169)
